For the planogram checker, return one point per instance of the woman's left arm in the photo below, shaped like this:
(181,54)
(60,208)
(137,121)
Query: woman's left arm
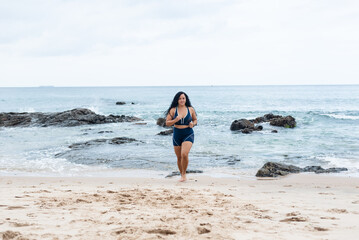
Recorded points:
(194,118)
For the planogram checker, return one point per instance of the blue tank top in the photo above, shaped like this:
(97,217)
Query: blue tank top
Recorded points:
(183,121)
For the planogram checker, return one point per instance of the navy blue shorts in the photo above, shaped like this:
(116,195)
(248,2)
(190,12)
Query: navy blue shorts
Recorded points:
(182,135)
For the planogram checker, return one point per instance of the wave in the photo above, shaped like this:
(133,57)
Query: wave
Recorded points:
(341,116)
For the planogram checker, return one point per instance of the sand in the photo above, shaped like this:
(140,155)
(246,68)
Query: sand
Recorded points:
(299,206)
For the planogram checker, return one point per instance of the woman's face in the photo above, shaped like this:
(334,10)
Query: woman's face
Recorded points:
(182,100)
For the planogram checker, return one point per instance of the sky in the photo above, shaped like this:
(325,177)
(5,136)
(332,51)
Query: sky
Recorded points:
(178,43)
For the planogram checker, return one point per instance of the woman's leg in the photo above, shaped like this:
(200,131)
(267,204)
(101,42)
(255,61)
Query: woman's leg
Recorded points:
(178,154)
(185,148)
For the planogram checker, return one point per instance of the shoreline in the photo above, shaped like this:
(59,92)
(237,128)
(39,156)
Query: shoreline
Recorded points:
(298,206)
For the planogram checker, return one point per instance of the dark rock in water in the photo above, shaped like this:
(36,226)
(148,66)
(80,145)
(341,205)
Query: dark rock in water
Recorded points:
(120,103)
(167,132)
(178,173)
(312,168)
(246,130)
(233,161)
(274,131)
(161,122)
(276,120)
(319,169)
(74,117)
(287,122)
(272,169)
(132,103)
(118,140)
(12,119)
(247,126)
(105,132)
(241,124)
(140,123)
(332,170)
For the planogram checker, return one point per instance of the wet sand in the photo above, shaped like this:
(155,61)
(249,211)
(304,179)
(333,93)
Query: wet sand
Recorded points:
(299,206)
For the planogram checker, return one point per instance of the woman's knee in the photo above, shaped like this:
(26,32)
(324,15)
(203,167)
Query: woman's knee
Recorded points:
(184,155)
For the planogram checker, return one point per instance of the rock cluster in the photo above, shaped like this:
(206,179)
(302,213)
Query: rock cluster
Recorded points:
(117,140)
(273,169)
(248,126)
(167,132)
(276,120)
(74,117)
(123,103)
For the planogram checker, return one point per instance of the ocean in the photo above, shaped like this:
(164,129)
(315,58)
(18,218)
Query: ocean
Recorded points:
(327,131)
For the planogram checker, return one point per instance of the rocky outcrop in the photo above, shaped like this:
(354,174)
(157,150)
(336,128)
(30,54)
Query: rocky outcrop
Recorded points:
(117,140)
(276,120)
(245,126)
(123,103)
(161,122)
(272,169)
(248,126)
(319,169)
(178,173)
(74,117)
(167,132)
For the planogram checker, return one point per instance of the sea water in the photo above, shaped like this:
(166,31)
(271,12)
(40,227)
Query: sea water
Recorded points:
(327,131)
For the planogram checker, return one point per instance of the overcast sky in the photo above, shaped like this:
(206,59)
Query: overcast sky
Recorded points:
(178,42)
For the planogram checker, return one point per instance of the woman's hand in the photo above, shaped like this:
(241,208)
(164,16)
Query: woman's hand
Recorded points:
(190,125)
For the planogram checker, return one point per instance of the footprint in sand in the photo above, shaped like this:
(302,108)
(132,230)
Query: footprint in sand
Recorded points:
(294,219)
(320,229)
(16,224)
(337,210)
(10,235)
(331,218)
(203,230)
(162,231)
(14,207)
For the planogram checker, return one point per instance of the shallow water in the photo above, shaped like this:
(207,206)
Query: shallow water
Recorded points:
(326,133)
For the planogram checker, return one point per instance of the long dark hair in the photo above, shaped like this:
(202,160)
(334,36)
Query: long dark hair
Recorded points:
(175,102)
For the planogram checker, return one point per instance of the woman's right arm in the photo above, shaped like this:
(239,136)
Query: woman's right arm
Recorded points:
(169,121)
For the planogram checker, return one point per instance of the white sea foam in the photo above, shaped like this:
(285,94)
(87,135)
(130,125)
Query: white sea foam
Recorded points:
(350,163)
(340,116)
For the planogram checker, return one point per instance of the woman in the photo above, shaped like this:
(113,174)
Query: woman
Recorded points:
(181,114)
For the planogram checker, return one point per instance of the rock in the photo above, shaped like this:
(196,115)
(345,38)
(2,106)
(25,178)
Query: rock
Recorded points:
(178,173)
(74,117)
(319,169)
(161,122)
(117,140)
(167,132)
(274,131)
(258,128)
(276,120)
(312,168)
(287,122)
(272,169)
(120,103)
(105,132)
(241,124)
(246,130)
(140,123)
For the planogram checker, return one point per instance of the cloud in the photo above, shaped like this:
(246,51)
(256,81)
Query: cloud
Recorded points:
(153,42)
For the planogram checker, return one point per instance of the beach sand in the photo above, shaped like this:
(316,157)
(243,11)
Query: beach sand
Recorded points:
(299,206)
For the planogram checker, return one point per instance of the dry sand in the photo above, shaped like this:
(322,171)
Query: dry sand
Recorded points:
(302,206)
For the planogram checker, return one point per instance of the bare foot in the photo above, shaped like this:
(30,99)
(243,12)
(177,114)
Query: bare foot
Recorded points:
(183,179)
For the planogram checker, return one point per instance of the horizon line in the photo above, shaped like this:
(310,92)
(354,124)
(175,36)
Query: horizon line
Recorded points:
(212,85)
